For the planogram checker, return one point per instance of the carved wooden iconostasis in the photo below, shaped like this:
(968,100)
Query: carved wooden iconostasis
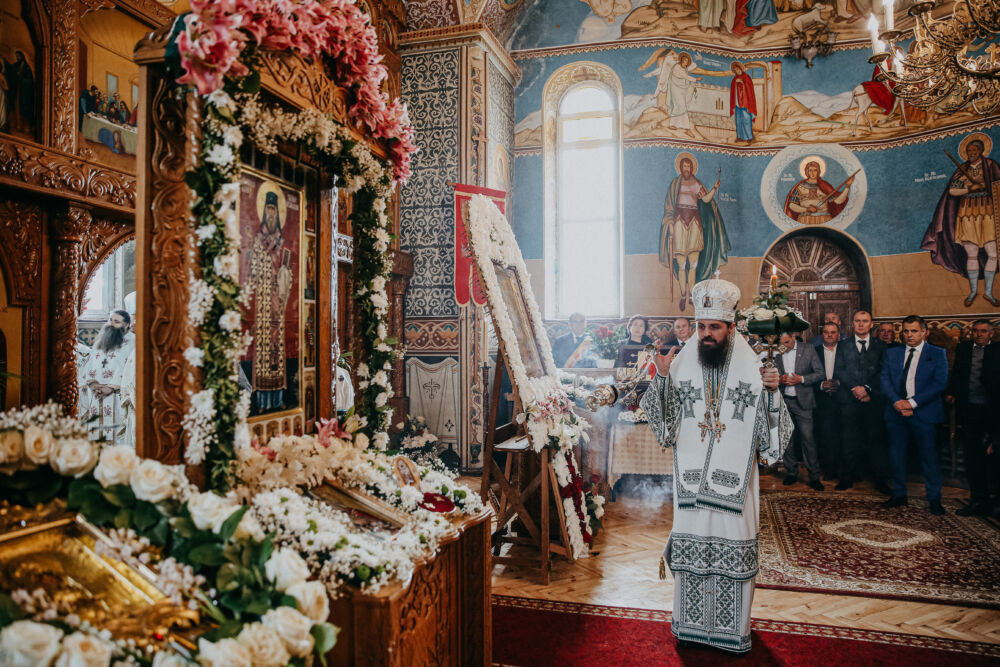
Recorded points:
(67,177)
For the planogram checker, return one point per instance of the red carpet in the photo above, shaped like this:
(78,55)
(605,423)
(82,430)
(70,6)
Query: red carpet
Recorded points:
(846,543)
(538,633)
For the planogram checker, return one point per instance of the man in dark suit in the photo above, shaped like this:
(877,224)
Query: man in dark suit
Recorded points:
(886,333)
(858,368)
(913,379)
(829,317)
(800,369)
(968,391)
(564,346)
(680,333)
(826,416)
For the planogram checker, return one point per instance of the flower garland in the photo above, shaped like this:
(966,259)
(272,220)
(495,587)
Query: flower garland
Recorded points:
(219,41)
(214,37)
(305,461)
(552,423)
(636,416)
(220,562)
(548,416)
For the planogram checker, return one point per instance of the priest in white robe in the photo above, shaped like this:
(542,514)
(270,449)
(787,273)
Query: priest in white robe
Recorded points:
(721,412)
(101,376)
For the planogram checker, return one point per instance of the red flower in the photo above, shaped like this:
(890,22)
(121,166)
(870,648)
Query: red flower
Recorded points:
(435,502)
(587,487)
(595,479)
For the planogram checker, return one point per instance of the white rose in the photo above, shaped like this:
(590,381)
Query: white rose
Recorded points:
(83,650)
(169,659)
(223,653)
(293,628)
(38,444)
(763,314)
(74,457)
(152,481)
(249,528)
(286,568)
(311,598)
(11,450)
(264,646)
(29,644)
(780,312)
(360,441)
(116,465)
(209,510)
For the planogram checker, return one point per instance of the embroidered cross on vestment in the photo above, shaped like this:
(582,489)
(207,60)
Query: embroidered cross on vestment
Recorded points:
(742,399)
(688,395)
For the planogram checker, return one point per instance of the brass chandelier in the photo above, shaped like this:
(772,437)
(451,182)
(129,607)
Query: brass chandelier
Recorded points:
(951,64)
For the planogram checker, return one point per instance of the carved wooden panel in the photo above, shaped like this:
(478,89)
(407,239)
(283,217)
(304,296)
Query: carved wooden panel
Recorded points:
(163,264)
(25,164)
(102,238)
(68,233)
(21,241)
(302,84)
(65,54)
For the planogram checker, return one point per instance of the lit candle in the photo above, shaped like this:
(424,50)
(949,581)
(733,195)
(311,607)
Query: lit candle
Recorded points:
(890,18)
(873,29)
(897,62)
(774,277)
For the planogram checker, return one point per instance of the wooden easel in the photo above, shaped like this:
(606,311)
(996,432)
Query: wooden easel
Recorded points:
(514,442)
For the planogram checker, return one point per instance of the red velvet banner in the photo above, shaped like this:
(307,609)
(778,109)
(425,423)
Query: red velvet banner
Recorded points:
(467,284)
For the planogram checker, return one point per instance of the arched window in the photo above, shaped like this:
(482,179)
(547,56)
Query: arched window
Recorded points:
(584,245)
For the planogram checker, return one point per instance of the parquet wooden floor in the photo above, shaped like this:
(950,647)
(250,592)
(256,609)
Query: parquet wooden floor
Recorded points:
(624,571)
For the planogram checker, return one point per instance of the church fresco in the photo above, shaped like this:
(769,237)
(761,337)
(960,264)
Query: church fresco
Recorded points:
(108,98)
(963,233)
(820,184)
(748,25)
(682,94)
(19,73)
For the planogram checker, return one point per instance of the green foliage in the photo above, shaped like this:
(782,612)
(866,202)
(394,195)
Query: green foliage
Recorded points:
(32,487)
(325,636)
(10,611)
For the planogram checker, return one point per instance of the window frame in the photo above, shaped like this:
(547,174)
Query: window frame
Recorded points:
(555,220)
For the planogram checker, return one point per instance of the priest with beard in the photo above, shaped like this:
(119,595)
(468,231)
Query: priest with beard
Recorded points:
(720,411)
(102,374)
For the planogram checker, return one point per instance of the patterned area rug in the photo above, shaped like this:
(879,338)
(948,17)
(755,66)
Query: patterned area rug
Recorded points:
(843,543)
(538,633)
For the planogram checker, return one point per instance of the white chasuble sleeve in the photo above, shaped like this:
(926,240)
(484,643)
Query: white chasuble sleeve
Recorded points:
(773,427)
(662,407)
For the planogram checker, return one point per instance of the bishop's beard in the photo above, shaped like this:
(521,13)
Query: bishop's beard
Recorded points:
(713,355)
(110,338)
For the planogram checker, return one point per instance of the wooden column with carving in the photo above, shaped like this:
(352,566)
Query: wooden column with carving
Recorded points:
(68,232)
(402,269)
(169,137)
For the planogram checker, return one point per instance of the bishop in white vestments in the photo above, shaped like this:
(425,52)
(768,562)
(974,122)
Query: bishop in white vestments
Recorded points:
(720,411)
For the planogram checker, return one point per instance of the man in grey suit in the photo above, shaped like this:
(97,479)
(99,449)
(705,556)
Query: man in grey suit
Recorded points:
(800,369)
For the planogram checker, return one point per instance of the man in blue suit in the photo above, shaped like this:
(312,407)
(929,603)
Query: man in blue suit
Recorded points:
(914,377)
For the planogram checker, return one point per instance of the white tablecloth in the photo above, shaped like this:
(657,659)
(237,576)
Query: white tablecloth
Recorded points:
(633,450)
(92,126)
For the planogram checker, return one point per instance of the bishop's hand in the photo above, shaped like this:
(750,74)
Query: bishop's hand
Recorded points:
(770,377)
(663,361)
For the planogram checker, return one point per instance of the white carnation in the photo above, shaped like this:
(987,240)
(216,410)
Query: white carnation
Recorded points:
(230,321)
(169,659)
(360,441)
(227,266)
(195,356)
(381,440)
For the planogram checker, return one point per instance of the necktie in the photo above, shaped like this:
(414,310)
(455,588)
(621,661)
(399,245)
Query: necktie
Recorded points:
(864,346)
(906,373)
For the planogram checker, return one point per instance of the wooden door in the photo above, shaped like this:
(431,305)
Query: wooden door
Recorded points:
(822,277)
